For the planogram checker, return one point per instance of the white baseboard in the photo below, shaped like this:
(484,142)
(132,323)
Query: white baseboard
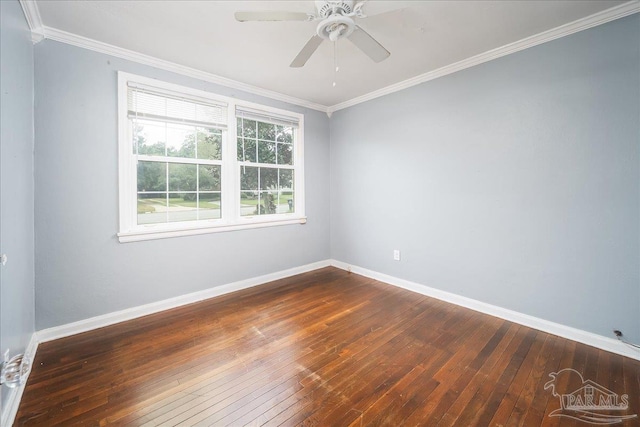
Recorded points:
(589,338)
(131,313)
(10,410)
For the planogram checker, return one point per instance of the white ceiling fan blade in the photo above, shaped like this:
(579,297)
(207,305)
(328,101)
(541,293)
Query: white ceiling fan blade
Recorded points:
(368,45)
(306,52)
(272,16)
(372,8)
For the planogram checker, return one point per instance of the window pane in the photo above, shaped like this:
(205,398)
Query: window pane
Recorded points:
(246,150)
(248,202)
(267,203)
(181,141)
(248,128)
(209,143)
(152,176)
(266,152)
(182,206)
(285,134)
(279,133)
(285,154)
(182,177)
(268,179)
(266,191)
(209,178)
(210,206)
(285,203)
(182,215)
(152,208)
(248,178)
(266,131)
(286,179)
(149,136)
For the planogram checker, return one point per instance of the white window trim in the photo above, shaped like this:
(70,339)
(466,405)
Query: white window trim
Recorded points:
(231,220)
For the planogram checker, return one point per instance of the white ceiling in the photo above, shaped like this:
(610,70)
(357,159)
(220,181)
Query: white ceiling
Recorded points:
(422,36)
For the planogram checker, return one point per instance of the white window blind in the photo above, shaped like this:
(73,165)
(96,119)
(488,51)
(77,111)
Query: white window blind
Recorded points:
(266,117)
(155,104)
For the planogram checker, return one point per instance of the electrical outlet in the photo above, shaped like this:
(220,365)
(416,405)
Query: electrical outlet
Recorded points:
(396,254)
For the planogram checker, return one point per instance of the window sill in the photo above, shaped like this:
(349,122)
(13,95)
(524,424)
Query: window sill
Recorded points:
(153,233)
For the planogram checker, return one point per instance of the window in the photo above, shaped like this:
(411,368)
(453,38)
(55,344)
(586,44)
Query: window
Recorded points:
(177,144)
(267,166)
(192,162)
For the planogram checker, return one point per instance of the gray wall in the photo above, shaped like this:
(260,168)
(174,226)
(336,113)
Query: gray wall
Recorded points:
(16,180)
(82,270)
(515,182)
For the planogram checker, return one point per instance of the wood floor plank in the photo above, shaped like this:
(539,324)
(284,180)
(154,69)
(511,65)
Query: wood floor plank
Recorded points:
(486,399)
(631,388)
(353,331)
(322,348)
(481,367)
(517,383)
(454,373)
(535,408)
(322,387)
(522,400)
(566,361)
(362,398)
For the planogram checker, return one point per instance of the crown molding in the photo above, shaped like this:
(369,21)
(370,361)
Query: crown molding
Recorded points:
(596,19)
(32,14)
(40,32)
(96,46)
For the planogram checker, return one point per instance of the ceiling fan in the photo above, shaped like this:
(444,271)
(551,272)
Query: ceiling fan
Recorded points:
(336,22)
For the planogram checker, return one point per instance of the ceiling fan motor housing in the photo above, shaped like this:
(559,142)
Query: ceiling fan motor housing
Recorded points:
(327,8)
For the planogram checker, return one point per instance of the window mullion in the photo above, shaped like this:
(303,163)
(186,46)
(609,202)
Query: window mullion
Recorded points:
(230,173)
(197,189)
(133,182)
(268,165)
(298,162)
(165,159)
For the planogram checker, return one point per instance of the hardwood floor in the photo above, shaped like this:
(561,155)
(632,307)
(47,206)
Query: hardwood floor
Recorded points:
(324,348)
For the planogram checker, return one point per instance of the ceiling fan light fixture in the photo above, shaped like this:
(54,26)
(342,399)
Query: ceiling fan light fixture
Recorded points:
(335,27)
(335,33)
